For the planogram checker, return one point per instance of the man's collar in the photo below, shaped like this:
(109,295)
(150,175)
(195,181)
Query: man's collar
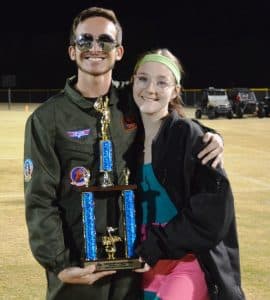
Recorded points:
(80,100)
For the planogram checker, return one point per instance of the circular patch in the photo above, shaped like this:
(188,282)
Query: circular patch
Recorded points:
(79,176)
(28,169)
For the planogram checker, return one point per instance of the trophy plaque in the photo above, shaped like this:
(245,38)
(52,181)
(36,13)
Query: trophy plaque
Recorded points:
(114,249)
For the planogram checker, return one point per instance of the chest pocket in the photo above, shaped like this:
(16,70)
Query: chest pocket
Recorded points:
(77,152)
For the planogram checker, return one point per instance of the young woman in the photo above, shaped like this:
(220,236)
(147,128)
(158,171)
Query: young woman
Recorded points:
(189,240)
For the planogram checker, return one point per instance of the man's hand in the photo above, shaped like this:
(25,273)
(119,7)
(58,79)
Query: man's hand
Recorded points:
(76,275)
(213,150)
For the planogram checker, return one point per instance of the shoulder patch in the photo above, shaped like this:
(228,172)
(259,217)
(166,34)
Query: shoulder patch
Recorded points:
(28,168)
(129,123)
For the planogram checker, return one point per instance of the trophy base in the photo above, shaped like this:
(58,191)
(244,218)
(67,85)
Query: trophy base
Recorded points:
(116,264)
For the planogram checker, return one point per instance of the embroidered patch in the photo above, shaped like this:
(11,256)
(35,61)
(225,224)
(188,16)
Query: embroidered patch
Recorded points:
(79,176)
(129,123)
(28,169)
(77,134)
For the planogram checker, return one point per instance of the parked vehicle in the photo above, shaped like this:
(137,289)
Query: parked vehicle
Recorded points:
(243,101)
(214,102)
(264,107)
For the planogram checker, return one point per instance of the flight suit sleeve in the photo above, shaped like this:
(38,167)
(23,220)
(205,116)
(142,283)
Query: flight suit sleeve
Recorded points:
(42,177)
(206,129)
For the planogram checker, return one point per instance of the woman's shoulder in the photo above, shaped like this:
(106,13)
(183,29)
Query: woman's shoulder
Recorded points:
(185,124)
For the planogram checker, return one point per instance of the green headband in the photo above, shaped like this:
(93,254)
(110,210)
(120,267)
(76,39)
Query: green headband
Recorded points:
(163,60)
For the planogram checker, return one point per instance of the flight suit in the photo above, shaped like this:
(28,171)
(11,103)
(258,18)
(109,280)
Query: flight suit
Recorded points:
(61,135)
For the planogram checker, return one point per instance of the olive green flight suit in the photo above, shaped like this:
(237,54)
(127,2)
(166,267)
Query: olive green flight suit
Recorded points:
(63,133)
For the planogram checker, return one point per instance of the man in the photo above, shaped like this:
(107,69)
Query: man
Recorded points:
(61,143)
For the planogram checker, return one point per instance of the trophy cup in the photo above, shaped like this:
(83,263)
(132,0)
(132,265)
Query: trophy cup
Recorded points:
(114,249)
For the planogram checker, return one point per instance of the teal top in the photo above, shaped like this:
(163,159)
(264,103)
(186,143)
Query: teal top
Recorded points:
(157,206)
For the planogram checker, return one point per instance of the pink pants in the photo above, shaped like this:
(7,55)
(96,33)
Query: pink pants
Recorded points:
(177,280)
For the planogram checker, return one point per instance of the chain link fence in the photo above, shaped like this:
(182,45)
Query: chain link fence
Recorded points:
(28,96)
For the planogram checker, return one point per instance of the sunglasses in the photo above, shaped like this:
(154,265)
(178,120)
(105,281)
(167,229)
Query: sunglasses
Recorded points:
(85,42)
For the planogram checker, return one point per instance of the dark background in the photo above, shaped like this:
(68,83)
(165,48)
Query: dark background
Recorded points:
(222,44)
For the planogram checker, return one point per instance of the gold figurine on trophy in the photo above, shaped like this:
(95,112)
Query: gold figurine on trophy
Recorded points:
(126,174)
(109,242)
(102,106)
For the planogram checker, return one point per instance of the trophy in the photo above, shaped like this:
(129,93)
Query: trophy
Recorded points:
(114,248)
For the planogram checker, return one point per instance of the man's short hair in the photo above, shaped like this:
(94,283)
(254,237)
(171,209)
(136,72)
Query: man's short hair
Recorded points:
(95,12)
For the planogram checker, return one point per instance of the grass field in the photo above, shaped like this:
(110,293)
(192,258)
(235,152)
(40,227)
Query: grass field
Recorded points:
(247,161)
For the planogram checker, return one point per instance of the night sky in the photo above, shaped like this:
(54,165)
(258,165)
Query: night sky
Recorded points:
(220,43)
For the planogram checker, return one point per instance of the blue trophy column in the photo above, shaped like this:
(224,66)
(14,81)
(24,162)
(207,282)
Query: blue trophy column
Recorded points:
(129,210)
(106,161)
(88,208)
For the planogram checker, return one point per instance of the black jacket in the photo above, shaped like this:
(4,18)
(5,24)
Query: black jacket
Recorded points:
(205,223)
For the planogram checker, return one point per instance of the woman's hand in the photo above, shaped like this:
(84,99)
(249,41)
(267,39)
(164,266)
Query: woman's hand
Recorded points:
(145,268)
